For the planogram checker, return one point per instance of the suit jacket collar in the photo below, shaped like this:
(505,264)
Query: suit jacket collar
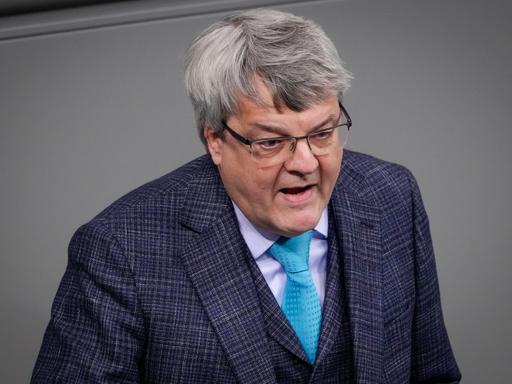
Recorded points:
(206,200)
(358,221)
(216,265)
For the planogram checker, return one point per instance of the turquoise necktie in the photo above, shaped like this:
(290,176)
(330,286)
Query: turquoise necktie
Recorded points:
(301,304)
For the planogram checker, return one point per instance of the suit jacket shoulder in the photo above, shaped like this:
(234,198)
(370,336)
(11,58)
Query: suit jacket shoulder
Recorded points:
(377,181)
(173,186)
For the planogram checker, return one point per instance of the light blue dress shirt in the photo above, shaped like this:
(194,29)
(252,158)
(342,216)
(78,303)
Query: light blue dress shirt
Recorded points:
(259,241)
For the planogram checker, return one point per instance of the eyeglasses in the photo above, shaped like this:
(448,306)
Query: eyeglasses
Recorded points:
(275,150)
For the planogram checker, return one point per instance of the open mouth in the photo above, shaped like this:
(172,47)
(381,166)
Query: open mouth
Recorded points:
(297,194)
(295,190)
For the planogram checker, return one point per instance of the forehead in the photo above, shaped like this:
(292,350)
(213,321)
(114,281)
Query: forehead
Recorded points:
(252,117)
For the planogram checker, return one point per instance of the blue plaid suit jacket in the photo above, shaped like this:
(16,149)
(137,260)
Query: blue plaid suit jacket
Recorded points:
(156,290)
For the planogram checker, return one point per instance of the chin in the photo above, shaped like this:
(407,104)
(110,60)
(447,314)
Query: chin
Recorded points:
(300,224)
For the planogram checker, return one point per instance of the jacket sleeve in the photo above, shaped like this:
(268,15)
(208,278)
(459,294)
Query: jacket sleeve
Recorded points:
(432,357)
(95,334)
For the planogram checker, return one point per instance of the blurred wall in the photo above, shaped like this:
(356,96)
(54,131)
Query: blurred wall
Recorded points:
(89,114)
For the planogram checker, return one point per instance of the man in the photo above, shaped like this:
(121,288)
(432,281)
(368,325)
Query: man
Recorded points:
(277,257)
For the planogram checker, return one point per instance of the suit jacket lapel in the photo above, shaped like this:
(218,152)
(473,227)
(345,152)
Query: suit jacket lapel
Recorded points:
(358,222)
(217,266)
(332,313)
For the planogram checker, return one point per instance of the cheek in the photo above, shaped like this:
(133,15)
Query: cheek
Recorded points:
(254,184)
(330,169)
(262,181)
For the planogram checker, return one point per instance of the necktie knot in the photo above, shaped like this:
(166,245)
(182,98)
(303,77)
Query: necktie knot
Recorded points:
(293,252)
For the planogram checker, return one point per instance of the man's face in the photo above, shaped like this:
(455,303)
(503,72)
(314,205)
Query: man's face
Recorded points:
(286,198)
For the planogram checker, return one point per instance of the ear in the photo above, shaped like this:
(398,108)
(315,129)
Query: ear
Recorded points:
(214,143)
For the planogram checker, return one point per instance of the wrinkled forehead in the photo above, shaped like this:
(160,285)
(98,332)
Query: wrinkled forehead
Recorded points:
(252,118)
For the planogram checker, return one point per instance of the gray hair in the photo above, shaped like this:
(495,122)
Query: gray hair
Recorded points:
(291,55)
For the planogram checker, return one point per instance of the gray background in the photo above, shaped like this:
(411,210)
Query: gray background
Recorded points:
(92,111)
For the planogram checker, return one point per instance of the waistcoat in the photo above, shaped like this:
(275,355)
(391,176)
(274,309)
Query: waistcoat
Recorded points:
(334,356)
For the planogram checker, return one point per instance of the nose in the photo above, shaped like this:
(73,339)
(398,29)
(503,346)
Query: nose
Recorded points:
(302,159)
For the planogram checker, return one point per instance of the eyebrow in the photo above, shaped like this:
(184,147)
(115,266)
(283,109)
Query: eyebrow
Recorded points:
(281,131)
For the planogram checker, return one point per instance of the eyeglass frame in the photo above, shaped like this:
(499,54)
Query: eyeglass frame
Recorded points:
(249,142)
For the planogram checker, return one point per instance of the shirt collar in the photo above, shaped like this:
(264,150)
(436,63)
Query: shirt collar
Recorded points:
(259,240)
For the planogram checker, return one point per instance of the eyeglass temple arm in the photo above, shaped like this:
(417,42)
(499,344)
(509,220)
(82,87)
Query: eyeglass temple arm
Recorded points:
(236,135)
(349,120)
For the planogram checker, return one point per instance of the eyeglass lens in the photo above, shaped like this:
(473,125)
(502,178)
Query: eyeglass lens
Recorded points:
(275,151)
